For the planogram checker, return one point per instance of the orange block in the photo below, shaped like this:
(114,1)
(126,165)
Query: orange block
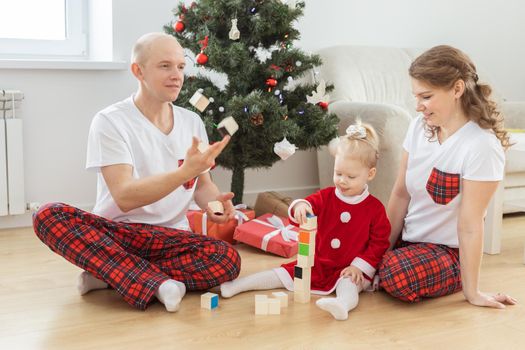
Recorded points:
(304,237)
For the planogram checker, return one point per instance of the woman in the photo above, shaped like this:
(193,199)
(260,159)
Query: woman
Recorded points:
(452,163)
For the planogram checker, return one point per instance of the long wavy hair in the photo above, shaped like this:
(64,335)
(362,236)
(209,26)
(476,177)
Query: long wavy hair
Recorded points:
(442,66)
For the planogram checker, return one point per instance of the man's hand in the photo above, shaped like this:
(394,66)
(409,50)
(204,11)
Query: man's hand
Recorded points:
(299,212)
(229,210)
(197,162)
(354,273)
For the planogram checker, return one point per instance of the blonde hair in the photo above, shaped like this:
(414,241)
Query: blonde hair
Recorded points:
(442,66)
(360,142)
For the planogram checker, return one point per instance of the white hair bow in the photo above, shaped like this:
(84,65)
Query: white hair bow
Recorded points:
(357,131)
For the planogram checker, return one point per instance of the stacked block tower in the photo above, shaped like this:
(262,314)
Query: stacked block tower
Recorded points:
(305,260)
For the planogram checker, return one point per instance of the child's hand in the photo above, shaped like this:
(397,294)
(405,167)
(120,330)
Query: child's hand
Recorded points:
(299,212)
(354,273)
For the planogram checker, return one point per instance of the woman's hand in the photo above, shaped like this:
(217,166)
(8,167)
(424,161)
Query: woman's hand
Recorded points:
(497,301)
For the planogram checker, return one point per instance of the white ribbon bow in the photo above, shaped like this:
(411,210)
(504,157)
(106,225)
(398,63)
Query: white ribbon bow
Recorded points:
(358,131)
(239,215)
(286,231)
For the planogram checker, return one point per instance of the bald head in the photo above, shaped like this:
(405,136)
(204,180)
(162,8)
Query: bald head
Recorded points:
(149,43)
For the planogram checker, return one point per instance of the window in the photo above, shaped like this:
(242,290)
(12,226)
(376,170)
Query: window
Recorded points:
(43,29)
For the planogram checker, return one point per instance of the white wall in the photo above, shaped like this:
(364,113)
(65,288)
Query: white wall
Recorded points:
(491,32)
(59,104)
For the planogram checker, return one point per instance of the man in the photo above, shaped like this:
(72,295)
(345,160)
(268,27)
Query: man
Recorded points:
(145,151)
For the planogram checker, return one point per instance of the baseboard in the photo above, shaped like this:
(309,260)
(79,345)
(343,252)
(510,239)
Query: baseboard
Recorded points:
(24,220)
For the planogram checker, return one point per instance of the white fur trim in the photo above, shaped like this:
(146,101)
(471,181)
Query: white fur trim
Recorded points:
(285,278)
(352,199)
(362,265)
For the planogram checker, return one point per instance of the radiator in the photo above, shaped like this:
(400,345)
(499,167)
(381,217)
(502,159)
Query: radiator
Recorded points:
(12,195)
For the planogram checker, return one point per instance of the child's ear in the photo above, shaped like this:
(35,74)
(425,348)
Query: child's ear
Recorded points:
(371,174)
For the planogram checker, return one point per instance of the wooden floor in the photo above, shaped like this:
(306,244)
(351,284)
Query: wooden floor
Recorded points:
(40,309)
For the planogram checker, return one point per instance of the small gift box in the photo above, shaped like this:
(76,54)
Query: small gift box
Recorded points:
(273,203)
(199,223)
(269,233)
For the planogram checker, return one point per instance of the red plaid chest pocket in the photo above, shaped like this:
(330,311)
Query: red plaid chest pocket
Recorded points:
(188,185)
(442,187)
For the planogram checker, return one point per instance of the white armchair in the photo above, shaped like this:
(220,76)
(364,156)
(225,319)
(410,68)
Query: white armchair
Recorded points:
(372,83)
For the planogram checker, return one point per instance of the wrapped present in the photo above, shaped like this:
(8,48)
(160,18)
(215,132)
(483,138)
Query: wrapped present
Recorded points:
(272,203)
(199,223)
(269,233)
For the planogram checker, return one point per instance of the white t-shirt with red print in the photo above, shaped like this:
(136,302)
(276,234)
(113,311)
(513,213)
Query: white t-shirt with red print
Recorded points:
(121,134)
(435,174)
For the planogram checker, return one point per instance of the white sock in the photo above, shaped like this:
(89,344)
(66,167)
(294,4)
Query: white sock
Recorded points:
(258,281)
(86,283)
(170,293)
(347,297)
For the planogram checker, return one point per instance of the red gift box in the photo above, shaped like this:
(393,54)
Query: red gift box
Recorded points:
(199,223)
(270,233)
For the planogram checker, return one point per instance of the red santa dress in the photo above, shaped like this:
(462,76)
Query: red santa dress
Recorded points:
(351,231)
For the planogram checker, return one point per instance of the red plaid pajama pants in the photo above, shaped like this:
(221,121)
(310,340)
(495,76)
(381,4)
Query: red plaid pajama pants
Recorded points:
(132,258)
(418,270)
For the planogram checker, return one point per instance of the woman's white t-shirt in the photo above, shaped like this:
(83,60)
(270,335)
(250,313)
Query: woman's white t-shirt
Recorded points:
(435,174)
(121,134)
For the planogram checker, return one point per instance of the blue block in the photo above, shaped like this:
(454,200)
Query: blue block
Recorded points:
(214,301)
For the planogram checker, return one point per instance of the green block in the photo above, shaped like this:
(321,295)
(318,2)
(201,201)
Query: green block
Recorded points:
(304,249)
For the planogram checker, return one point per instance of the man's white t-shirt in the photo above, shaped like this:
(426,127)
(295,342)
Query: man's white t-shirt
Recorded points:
(121,134)
(471,153)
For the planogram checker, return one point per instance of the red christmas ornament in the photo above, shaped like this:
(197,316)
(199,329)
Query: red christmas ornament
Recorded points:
(179,26)
(323,105)
(202,58)
(271,82)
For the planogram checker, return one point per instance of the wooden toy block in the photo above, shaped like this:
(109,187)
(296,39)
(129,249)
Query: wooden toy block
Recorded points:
(261,304)
(303,276)
(227,126)
(305,260)
(302,297)
(298,272)
(307,237)
(274,306)
(311,223)
(304,249)
(283,298)
(216,207)
(209,301)
(199,101)
(202,147)
(301,284)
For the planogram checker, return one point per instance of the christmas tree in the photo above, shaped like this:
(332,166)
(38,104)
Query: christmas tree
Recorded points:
(250,44)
